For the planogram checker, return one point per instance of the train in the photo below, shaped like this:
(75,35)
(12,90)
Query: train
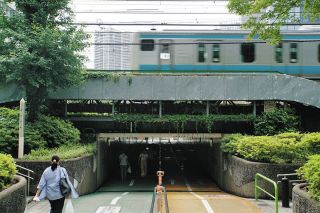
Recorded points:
(225,51)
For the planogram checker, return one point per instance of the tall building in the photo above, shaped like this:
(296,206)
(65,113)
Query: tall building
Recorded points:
(112,57)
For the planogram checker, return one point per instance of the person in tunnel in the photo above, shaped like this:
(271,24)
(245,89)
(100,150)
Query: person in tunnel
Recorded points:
(143,162)
(124,163)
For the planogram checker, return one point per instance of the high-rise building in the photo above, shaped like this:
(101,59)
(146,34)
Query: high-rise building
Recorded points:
(112,57)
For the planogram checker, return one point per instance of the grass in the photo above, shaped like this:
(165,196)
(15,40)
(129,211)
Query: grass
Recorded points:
(67,151)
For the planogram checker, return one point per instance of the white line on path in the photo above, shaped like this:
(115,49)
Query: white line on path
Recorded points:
(116,199)
(204,201)
(131,182)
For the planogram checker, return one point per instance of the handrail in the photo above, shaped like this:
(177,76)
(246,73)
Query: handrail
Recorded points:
(24,168)
(26,175)
(165,200)
(256,187)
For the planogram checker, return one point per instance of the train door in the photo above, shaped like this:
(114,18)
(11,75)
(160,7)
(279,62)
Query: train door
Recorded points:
(166,55)
(202,55)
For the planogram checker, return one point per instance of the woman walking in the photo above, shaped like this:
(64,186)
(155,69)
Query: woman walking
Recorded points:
(49,186)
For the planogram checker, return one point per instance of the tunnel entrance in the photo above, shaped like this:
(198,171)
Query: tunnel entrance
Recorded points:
(186,160)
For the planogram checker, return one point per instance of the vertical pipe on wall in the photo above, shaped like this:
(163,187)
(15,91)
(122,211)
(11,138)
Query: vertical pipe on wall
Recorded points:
(160,109)
(113,108)
(208,108)
(254,108)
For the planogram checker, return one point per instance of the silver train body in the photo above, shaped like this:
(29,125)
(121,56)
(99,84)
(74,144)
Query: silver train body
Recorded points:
(226,52)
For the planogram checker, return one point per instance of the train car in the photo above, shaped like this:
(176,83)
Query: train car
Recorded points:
(227,52)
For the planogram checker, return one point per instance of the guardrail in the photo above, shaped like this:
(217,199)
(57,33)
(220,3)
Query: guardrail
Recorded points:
(257,188)
(159,197)
(28,176)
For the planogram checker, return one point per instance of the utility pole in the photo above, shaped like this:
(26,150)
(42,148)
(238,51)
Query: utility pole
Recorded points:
(21,128)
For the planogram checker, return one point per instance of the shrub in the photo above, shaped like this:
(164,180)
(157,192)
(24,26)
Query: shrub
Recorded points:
(283,148)
(311,172)
(56,131)
(275,122)
(228,143)
(65,151)
(48,131)
(311,142)
(7,170)
(9,133)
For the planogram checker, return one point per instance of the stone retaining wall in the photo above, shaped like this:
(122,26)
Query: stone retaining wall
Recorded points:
(82,172)
(13,199)
(239,175)
(236,175)
(302,200)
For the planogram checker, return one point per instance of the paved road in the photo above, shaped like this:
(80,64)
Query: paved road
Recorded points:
(187,195)
(137,202)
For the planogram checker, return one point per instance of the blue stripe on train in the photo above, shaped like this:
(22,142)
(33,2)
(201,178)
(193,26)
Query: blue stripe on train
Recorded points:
(294,70)
(220,36)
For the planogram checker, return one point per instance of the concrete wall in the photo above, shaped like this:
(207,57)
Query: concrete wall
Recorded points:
(236,175)
(103,161)
(13,199)
(302,200)
(83,172)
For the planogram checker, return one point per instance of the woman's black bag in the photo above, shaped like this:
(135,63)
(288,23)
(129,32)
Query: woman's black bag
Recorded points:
(64,186)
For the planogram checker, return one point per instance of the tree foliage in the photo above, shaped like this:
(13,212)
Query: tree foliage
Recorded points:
(265,17)
(40,49)
(276,122)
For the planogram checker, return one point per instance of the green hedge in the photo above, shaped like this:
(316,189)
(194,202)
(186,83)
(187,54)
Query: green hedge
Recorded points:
(275,122)
(56,131)
(48,131)
(9,133)
(7,170)
(311,172)
(281,148)
(65,151)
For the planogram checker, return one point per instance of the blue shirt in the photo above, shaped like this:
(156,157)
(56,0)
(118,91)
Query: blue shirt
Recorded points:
(50,184)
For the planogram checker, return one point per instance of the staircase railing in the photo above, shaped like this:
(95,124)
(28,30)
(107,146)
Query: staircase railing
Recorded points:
(28,175)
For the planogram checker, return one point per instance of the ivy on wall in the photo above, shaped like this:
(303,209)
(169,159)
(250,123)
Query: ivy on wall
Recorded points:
(179,120)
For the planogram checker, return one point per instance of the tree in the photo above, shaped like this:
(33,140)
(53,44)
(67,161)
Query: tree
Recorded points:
(265,17)
(40,49)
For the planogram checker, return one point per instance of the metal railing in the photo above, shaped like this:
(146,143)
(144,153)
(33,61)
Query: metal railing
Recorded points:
(159,197)
(28,175)
(257,188)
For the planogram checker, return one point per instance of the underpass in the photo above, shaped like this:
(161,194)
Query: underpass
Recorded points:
(185,161)
(190,178)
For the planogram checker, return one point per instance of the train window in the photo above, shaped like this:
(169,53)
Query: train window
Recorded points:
(248,52)
(147,45)
(201,52)
(165,48)
(279,51)
(216,53)
(293,53)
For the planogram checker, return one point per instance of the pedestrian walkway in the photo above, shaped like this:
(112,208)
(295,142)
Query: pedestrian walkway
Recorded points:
(140,202)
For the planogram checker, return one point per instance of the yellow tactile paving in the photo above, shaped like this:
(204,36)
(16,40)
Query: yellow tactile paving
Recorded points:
(220,202)
(184,202)
(223,202)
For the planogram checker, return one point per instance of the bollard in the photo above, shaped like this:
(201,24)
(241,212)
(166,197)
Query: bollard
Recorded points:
(285,192)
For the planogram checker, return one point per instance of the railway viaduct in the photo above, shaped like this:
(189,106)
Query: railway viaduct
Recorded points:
(204,87)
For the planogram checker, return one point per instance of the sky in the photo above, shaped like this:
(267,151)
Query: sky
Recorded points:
(149,12)
(152,12)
